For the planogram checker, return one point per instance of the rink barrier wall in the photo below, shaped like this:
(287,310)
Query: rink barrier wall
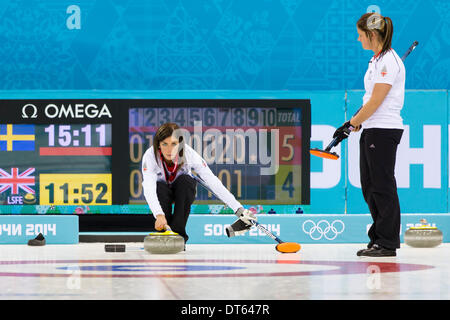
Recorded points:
(57,229)
(308,228)
(210,229)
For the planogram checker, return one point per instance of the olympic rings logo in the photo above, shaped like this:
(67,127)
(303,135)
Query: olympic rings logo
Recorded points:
(323,229)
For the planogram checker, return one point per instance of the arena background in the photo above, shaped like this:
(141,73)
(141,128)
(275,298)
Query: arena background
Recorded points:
(284,48)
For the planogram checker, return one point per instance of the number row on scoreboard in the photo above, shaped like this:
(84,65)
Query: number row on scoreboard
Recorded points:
(214,117)
(246,184)
(231,148)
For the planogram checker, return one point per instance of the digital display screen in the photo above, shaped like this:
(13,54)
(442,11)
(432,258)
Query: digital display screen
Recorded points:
(55,164)
(84,156)
(255,151)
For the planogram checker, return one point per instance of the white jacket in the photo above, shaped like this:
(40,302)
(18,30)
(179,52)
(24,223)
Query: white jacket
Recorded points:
(153,171)
(388,69)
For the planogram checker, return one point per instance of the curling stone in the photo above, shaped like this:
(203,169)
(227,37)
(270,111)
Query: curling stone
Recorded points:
(164,242)
(423,236)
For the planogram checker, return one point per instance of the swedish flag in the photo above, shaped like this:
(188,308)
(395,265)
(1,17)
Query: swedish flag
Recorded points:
(17,137)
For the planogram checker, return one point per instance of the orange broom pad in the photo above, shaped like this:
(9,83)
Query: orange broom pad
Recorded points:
(324,154)
(288,247)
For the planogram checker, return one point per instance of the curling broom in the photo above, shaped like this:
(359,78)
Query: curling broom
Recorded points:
(283,247)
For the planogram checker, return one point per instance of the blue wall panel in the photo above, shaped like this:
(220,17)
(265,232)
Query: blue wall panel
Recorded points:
(327,176)
(422,156)
(211,45)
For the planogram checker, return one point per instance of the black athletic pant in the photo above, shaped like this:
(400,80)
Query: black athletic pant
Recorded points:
(182,193)
(378,149)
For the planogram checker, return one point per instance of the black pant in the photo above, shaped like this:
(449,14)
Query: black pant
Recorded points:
(378,149)
(181,192)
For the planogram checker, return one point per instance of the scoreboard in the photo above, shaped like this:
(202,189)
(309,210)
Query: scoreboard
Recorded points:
(88,152)
(55,153)
(254,149)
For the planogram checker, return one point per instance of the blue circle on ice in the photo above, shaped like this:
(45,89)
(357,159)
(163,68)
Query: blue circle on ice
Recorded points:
(153,268)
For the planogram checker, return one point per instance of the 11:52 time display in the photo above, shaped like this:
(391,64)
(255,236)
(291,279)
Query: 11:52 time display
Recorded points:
(73,189)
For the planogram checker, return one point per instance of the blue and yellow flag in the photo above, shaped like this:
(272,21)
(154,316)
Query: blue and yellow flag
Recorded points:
(17,137)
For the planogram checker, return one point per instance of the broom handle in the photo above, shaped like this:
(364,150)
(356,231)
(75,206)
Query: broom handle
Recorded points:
(255,223)
(267,232)
(332,144)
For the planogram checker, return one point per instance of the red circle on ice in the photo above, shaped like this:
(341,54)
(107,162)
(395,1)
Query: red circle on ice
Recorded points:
(341,268)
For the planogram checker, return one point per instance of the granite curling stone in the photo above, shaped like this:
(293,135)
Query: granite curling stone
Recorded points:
(166,242)
(423,236)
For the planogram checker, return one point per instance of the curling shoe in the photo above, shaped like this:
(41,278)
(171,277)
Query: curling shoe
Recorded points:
(38,241)
(377,251)
(369,246)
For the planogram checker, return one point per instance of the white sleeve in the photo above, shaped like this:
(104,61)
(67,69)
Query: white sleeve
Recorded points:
(197,163)
(149,180)
(387,71)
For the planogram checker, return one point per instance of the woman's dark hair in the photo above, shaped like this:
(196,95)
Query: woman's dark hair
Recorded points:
(382,26)
(167,130)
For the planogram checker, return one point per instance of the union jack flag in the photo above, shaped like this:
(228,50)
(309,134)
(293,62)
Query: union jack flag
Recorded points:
(17,180)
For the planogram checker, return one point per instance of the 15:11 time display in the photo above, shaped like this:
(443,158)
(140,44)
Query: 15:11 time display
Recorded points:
(66,135)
